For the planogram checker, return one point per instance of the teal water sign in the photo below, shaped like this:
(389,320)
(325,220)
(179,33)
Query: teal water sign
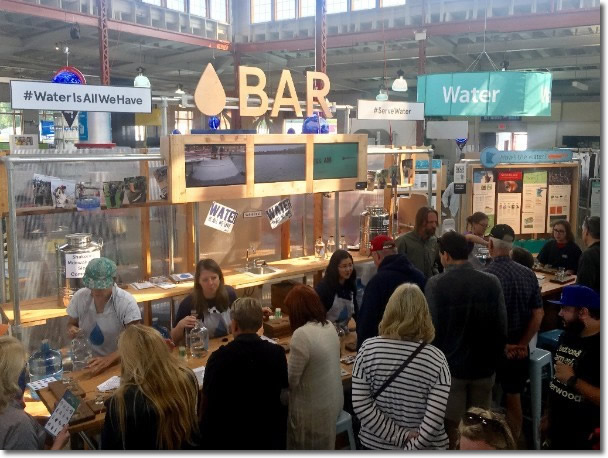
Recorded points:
(491,157)
(486,94)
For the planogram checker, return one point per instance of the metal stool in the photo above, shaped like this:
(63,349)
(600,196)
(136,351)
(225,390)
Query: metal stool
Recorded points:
(538,360)
(345,423)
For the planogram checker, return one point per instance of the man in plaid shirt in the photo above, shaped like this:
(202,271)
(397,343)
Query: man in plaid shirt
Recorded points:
(524,315)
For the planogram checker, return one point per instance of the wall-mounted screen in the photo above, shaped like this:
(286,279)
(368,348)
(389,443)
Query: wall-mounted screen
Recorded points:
(335,160)
(214,165)
(275,163)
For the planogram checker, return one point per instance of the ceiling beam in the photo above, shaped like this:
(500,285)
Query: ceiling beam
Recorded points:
(450,49)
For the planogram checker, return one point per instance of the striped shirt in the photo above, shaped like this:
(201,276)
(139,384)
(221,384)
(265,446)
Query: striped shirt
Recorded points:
(414,402)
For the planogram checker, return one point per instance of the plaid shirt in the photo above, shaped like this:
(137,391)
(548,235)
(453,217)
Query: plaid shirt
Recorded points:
(521,291)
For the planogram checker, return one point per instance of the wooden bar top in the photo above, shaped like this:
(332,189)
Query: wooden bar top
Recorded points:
(89,383)
(37,311)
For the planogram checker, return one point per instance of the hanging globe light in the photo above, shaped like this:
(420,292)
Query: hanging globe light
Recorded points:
(141,80)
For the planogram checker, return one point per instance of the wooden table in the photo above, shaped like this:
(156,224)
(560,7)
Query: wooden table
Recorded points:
(37,311)
(549,288)
(89,383)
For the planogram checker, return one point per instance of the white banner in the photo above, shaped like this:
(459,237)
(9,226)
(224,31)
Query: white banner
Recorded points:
(279,213)
(221,218)
(76,263)
(34,95)
(396,111)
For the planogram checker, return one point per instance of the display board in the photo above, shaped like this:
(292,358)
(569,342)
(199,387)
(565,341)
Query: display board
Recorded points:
(211,167)
(527,197)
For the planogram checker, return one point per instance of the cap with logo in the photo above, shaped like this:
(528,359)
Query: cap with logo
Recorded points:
(99,274)
(381,242)
(503,232)
(578,296)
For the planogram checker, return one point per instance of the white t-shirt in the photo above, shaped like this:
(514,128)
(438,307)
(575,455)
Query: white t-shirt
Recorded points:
(103,329)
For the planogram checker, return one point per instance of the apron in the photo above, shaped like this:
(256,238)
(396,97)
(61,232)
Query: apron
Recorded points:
(341,311)
(217,323)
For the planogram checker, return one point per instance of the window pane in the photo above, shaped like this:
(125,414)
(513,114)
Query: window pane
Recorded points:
(392,2)
(6,127)
(152,2)
(307,8)
(179,5)
(286,9)
(218,10)
(198,7)
(336,6)
(262,10)
(363,4)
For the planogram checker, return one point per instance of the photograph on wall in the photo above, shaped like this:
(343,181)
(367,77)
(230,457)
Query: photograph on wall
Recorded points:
(160,174)
(534,202)
(214,165)
(276,163)
(509,210)
(559,204)
(63,193)
(42,190)
(484,195)
(136,189)
(335,160)
(88,196)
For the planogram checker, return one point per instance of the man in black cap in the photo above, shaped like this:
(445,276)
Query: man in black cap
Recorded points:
(574,393)
(524,316)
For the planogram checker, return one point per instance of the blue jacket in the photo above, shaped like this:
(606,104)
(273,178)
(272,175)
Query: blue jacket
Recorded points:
(394,270)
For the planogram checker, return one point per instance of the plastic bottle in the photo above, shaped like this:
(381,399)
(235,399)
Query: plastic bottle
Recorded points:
(199,340)
(343,245)
(331,246)
(81,351)
(319,249)
(44,363)
(163,330)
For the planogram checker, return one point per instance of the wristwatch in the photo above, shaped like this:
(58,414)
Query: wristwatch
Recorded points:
(571,381)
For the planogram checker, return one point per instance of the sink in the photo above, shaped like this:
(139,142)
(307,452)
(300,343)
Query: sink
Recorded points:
(262,270)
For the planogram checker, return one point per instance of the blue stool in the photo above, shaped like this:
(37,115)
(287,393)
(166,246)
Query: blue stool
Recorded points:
(345,423)
(549,339)
(538,360)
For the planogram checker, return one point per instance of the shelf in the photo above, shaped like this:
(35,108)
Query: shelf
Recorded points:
(52,210)
(37,311)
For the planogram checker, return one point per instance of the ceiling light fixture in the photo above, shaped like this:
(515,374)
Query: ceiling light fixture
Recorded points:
(141,80)
(382,94)
(400,84)
(579,85)
(180,89)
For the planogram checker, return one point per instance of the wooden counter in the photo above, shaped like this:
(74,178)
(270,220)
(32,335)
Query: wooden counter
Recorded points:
(549,288)
(89,383)
(37,311)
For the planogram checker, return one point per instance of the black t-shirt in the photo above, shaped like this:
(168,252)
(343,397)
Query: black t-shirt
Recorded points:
(566,256)
(572,417)
(218,327)
(241,390)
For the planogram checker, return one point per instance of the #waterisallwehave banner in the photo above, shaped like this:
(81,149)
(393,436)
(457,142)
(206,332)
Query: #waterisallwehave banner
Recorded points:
(534,206)
(509,199)
(486,94)
(484,194)
(34,95)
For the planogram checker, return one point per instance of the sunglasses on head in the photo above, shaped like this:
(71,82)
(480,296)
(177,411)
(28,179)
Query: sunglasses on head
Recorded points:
(472,419)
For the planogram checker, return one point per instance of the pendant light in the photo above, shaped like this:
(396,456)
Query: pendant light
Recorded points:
(180,89)
(400,84)
(382,94)
(141,80)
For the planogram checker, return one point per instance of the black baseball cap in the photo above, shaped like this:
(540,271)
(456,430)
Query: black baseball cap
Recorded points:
(503,232)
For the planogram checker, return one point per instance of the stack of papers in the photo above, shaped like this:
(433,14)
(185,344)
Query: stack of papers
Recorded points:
(166,285)
(142,285)
(111,384)
(39,384)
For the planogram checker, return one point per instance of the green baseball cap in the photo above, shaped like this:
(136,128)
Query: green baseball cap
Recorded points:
(99,274)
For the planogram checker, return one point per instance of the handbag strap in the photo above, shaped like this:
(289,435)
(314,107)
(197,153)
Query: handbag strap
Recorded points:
(388,381)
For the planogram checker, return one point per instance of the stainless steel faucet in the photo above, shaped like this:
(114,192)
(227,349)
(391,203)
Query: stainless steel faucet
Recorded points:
(258,262)
(250,250)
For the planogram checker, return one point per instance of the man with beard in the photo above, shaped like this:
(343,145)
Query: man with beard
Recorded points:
(574,393)
(420,245)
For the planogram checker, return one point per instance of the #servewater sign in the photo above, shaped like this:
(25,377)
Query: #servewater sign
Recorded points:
(486,94)
(32,95)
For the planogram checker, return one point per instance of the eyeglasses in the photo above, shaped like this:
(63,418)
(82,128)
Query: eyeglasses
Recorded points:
(559,231)
(485,226)
(472,419)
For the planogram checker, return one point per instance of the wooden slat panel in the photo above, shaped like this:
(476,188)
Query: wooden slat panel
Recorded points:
(189,236)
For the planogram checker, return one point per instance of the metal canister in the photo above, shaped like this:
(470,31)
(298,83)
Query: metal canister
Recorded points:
(372,222)
(72,260)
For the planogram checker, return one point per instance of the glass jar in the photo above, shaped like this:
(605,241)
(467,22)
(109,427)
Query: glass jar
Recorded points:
(331,247)
(343,245)
(81,351)
(44,363)
(199,340)
(319,249)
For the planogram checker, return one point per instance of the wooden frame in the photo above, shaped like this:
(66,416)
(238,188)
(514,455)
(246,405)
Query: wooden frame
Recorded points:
(173,149)
(467,202)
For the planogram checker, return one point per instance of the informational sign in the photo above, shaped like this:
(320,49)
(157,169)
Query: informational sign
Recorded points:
(221,218)
(252,214)
(76,263)
(460,173)
(34,95)
(559,204)
(484,194)
(534,204)
(509,210)
(424,164)
(421,181)
(390,110)
(594,198)
(490,157)
(460,188)
(22,142)
(486,94)
(335,160)
(279,213)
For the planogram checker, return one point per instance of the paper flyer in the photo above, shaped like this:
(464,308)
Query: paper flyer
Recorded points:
(534,204)
(509,210)
(559,204)
(484,195)
(279,213)
(221,218)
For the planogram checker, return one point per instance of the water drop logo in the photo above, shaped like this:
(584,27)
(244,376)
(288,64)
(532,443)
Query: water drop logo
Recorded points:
(96,337)
(209,96)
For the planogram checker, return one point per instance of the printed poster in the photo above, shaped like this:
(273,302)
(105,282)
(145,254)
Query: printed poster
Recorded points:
(221,218)
(484,195)
(594,198)
(279,213)
(534,205)
(559,204)
(509,210)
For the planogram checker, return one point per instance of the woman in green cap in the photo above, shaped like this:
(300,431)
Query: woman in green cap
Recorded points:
(101,311)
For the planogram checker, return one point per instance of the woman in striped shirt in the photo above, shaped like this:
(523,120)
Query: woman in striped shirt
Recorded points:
(409,412)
